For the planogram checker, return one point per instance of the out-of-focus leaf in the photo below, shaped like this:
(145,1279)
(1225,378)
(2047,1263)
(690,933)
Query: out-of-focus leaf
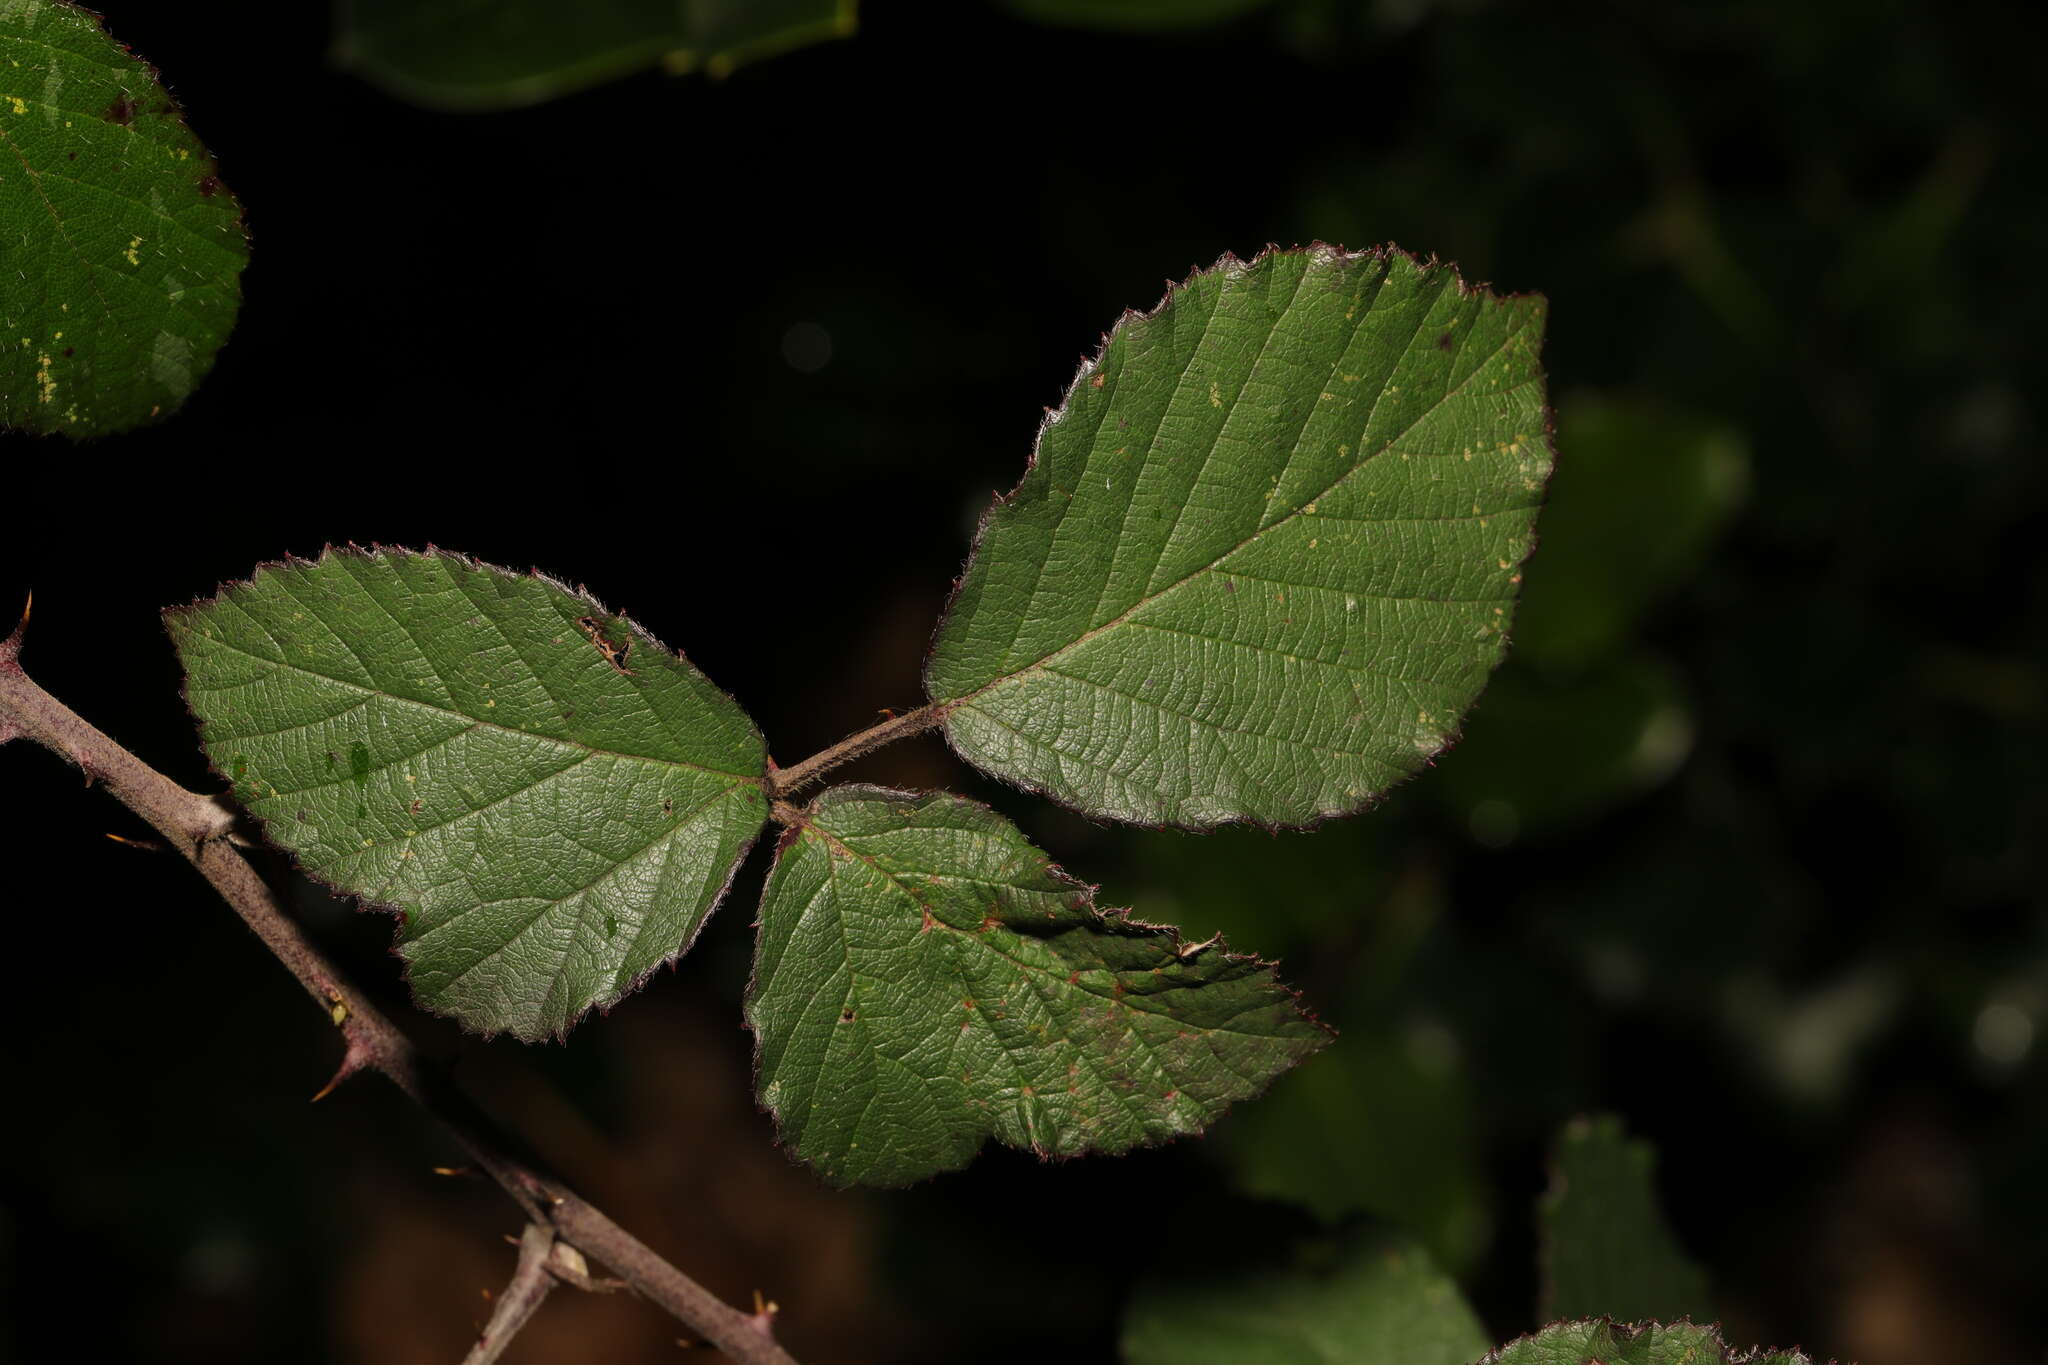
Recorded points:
(1629,514)
(1363,1299)
(926,979)
(1384,1125)
(1542,753)
(124,251)
(1651,1343)
(1266,551)
(1607,1250)
(1272,896)
(500,54)
(1136,15)
(551,800)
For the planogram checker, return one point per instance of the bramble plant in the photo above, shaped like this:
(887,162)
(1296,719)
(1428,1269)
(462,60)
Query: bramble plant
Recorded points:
(1262,560)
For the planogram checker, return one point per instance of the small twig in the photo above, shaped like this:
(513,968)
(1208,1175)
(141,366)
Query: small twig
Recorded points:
(782,782)
(197,827)
(532,1282)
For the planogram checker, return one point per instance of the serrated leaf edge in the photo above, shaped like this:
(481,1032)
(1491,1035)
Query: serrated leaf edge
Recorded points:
(1629,1331)
(362,902)
(1113,919)
(1226,263)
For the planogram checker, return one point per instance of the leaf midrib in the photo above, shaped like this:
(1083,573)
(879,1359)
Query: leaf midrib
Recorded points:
(1042,661)
(1121,1001)
(476,721)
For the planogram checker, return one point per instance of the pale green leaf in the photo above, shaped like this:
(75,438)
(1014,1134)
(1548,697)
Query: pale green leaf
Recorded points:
(1601,1342)
(1607,1251)
(500,54)
(1366,1299)
(124,251)
(926,979)
(1266,552)
(551,800)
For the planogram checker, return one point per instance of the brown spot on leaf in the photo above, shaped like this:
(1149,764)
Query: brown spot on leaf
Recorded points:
(209,186)
(846,1015)
(615,655)
(1443,343)
(122,111)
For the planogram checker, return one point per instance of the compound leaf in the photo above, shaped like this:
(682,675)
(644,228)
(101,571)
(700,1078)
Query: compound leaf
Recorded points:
(1607,1250)
(551,800)
(1365,1299)
(1602,1342)
(501,54)
(925,979)
(1266,552)
(124,250)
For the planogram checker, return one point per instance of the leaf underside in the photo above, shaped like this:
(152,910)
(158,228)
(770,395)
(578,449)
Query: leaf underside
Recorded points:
(926,979)
(502,54)
(551,800)
(124,250)
(1607,1249)
(1603,1342)
(1267,550)
(1377,1301)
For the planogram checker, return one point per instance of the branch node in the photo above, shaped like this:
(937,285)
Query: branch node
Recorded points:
(10,648)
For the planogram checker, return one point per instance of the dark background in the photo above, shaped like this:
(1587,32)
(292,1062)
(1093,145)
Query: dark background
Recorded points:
(1759,869)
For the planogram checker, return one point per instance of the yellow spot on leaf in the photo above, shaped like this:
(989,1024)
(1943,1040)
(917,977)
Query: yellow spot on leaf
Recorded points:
(20,104)
(132,253)
(46,387)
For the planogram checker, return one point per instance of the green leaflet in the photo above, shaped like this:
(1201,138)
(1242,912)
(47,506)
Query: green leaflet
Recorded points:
(1607,1250)
(1266,552)
(552,800)
(1606,1343)
(1367,1299)
(124,250)
(501,54)
(925,979)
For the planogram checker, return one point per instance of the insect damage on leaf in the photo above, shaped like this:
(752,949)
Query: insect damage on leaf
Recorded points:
(926,979)
(439,736)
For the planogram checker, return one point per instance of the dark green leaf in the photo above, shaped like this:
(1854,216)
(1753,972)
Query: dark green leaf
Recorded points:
(1542,752)
(1368,1299)
(1630,516)
(552,800)
(500,54)
(926,979)
(1607,1343)
(1266,552)
(124,250)
(1384,1125)
(1607,1250)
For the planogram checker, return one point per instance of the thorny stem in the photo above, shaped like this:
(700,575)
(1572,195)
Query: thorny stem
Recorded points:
(783,782)
(197,826)
(531,1284)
